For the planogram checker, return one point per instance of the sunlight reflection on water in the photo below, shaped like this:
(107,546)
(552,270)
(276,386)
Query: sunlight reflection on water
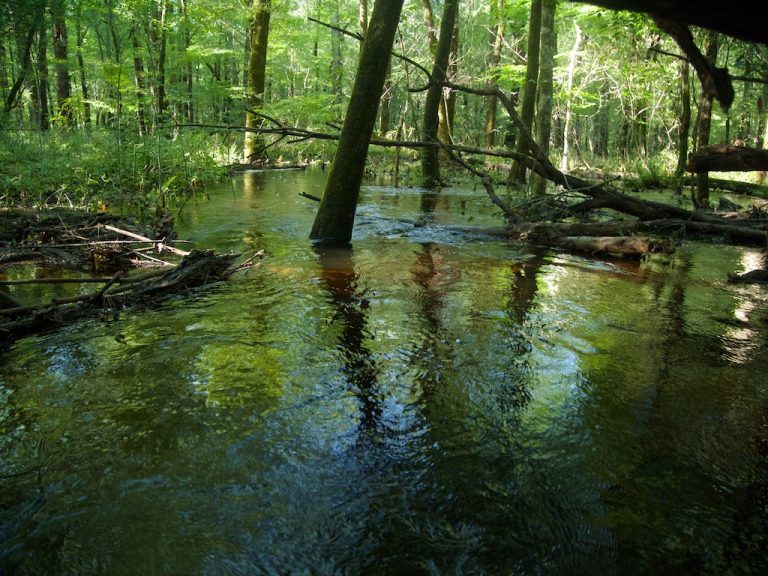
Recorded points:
(430,401)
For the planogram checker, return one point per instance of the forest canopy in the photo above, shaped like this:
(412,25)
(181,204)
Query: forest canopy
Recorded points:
(99,99)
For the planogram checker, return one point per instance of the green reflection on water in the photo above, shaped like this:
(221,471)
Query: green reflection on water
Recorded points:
(426,402)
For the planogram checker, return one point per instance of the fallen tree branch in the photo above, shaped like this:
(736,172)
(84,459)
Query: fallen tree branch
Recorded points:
(160,244)
(198,268)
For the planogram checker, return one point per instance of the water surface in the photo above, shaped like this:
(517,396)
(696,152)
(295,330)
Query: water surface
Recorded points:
(431,401)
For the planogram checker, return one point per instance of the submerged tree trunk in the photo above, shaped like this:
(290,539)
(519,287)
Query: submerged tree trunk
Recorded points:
(545,85)
(517,173)
(336,215)
(430,160)
(258,33)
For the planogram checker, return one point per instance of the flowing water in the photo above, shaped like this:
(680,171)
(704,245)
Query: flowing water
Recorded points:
(432,401)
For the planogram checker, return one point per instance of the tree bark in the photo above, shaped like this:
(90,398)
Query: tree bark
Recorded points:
(258,32)
(60,51)
(684,118)
(545,85)
(517,173)
(336,215)
(569,96)
(492,62)
(727,159)
(138,81)
(42,110)
(188,77)
(81,69)
(701,196)
(430,160)
(160,40)
(336,64)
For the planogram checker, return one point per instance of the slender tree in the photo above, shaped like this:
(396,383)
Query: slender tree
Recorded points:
(569,97)
(61,52)
(40,93)
(138,82)
(430,160)
(81,69)
(258,36)
(545,85)
(517,173)
(701,197)
(684,118)
(336,215)
(493,60)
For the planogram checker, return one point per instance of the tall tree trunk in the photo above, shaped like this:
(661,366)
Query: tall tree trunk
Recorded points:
(362,18)
(138,81)
(545,85)
(336,65)
(684,118)
(189,109)
(258,34)
(447,110)
(43,112)
(336,215)
(24,44)
(430,161)
(701,197)
(81,69)
(60,51)
(569,96)
(448,99)
(160,41)
(114,52)
(3,72)
(386,101)
(517,173)
(492,62)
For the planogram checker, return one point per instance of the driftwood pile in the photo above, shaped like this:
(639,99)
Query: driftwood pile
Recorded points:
(94,244)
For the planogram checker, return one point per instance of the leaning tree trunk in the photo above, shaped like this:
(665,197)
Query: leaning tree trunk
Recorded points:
(545,85)
(430,159)
(336,216)
(517,173)
(258,32)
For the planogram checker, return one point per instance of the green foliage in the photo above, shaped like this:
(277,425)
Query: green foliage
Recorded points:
(96,168)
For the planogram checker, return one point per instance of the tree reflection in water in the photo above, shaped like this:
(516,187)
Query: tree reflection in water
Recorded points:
(338,274)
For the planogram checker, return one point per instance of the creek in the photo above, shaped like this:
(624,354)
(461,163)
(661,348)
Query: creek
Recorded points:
(430,401)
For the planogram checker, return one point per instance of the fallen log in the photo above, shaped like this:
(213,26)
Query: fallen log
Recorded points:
(744,188)
(599,238)
(198,268)
(724,158)
(623,245)
(759,276)
(551,233)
